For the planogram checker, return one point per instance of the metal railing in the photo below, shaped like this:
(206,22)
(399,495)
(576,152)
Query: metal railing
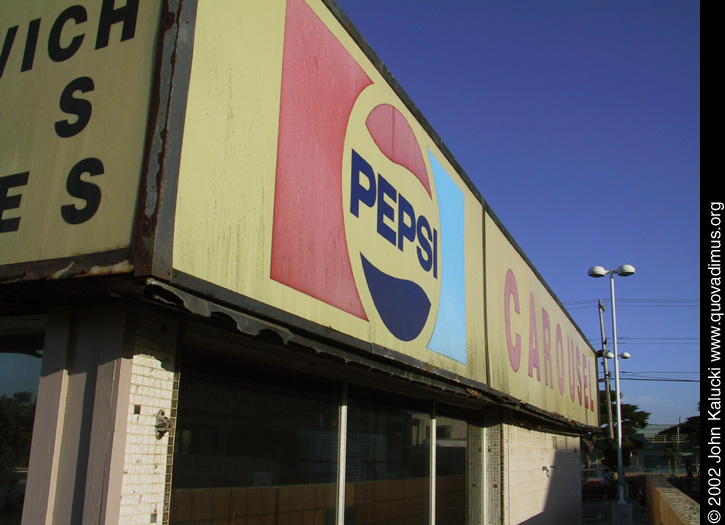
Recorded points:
(668,438)
(597,471)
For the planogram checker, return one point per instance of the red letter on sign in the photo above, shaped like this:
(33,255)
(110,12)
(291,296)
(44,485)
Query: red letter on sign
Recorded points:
(514,348)
(560,371)
(533,340)
(578,376)
(546,330)
(572,364)
(585,378)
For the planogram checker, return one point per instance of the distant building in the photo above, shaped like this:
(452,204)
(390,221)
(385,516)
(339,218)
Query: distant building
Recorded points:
(650,457)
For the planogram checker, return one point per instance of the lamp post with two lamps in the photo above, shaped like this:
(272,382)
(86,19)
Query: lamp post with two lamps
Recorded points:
(623,271)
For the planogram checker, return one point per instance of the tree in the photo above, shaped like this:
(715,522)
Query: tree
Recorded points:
(690,427)
(632,419)
(16,429)
(672,454)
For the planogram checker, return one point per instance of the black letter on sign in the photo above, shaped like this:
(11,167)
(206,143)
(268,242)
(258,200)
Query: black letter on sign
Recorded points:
(10,202)
(82,190)
(57,53)
(75,106)
(30,43)
(7,46)
(110,16)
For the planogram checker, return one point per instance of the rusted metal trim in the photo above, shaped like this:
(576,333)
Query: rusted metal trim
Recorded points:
(153,229)
(295,331)
(245,324)
(101,263)
(144,232)
(138,257)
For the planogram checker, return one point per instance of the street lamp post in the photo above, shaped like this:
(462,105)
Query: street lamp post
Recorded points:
(623,271)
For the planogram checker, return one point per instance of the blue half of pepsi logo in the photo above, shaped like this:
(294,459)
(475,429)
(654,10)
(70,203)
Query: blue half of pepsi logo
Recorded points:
(402,304)
(449,333)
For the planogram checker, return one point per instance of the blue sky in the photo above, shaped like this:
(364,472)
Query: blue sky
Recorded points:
(579,122)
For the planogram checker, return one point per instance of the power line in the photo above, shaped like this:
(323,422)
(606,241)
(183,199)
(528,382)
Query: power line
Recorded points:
(665,372)
(658,376)
(642,341)
(662,380)
(660,338)
(650,341)
(658,373)
(636,303)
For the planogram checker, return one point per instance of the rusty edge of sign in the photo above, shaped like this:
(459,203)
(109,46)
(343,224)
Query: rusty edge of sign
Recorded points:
(94,264)
(152,242)
(152,230)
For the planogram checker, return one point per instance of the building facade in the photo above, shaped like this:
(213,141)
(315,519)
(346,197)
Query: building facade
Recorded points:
(263,289)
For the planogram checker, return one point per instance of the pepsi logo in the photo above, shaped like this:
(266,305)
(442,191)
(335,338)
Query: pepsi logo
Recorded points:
(392,221)
(368,212)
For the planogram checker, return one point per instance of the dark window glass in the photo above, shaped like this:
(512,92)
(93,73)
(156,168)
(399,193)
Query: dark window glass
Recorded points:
(19,377)
(451,446)
(387,470)
(253,442)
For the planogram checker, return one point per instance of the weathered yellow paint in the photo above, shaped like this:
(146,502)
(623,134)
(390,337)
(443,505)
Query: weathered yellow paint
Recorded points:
(227,177)
(518,350)
(226,180)
(225,207)
(30,107)
(226,196)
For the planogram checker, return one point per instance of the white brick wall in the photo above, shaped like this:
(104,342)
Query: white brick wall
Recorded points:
(493,458)
(542,476)
(146,483)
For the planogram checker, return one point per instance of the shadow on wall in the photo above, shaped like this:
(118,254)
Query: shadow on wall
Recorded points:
(562,483)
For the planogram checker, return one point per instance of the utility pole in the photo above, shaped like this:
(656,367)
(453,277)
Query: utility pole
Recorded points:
(606,370)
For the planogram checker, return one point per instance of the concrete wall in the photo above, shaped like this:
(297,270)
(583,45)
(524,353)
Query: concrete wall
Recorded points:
(668,506)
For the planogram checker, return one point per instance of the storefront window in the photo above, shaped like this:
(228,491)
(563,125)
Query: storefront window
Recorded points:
(261,443)
(388,458)
(19,377)
(253,443)
(451,446)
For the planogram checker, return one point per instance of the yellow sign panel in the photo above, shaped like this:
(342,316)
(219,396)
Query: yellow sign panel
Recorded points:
(75,83)
(536,352)
(308,185)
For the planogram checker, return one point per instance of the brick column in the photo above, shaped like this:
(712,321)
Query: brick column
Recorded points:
(146,488)
(493,466)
